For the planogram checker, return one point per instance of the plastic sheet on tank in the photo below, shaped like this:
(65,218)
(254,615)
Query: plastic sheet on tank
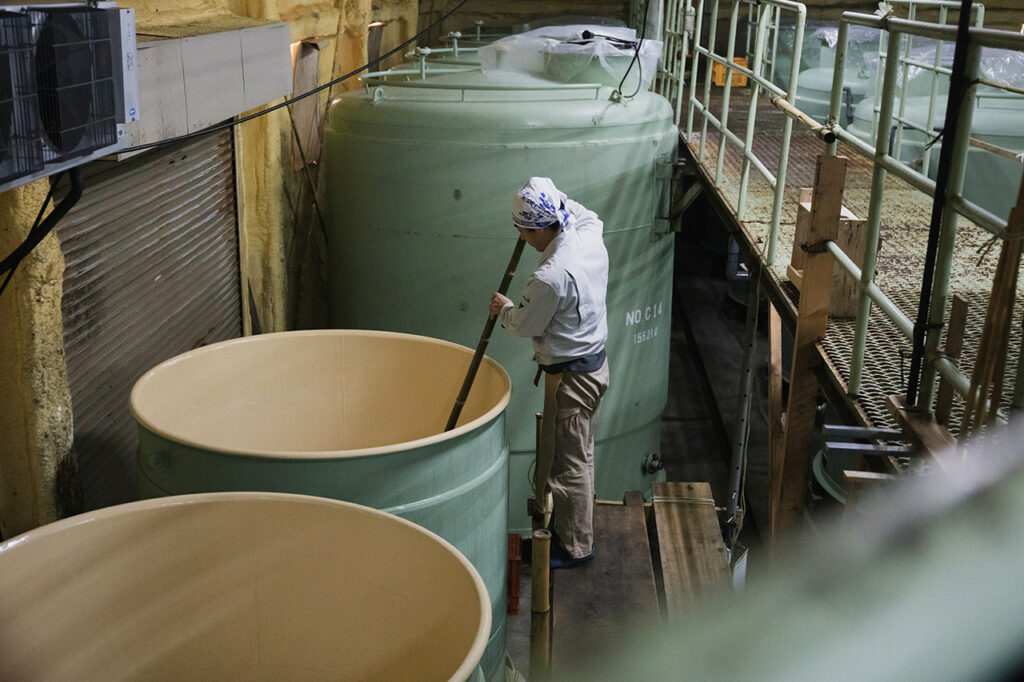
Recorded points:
(856,35)
(1003,66)
(568,54)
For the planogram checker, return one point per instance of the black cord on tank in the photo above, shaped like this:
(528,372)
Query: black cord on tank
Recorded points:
(636,59)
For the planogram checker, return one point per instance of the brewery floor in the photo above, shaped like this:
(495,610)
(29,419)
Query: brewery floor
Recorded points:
(697,424)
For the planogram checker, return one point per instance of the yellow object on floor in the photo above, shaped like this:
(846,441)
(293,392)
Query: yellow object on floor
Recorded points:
(718,73)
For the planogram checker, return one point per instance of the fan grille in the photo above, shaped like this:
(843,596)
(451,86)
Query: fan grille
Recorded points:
(75,72)
(21,151)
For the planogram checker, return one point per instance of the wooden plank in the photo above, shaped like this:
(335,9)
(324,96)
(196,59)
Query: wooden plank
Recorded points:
(776,429)
(927,436)
(845,289)
(954,346)
(693,561)
(795,276)
(859,483)
(849,237)
(812,318)
(597,601)
(803,226)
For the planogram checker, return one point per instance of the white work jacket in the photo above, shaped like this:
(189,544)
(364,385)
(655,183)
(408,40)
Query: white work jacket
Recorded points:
(563,305)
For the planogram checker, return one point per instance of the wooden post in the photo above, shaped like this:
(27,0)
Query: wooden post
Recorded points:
(849,237)
(927,436)
(775,427)
(812,318)
(954,345)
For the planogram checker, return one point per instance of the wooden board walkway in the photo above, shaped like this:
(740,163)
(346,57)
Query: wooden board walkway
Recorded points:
(598,601)
(693,560)
(594,604)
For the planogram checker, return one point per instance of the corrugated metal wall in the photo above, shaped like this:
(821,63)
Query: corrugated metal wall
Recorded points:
(152,271)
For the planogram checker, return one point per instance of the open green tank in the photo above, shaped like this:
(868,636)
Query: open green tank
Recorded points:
(344,414)
(420,177)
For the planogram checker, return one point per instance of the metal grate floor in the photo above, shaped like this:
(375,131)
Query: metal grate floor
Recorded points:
(904,232)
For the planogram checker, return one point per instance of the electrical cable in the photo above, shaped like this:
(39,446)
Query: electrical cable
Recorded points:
(43,226)
(296,98)
(11,261)
(636,58)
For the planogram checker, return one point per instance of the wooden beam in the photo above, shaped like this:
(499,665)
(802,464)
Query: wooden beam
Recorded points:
(798,259)
(812,318)
(849,237)
(926,435)
(693,561)
(858,483)
(954,346)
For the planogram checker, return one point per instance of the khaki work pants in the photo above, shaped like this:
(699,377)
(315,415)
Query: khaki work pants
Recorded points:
(565,461)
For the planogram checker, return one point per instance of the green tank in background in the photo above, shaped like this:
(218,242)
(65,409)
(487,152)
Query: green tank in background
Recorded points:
(420,176)
(814,85)
(993,176)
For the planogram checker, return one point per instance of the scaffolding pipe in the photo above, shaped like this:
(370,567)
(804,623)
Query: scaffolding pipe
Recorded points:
(942,236)
(946,368)
(749,73)
(872,290)
(874,220)
(698,26)
(707,81)
(741,436)
(730,53)
(897,143)
(787,132)
(836,96)
(748,143)
(933,96)
(756,162)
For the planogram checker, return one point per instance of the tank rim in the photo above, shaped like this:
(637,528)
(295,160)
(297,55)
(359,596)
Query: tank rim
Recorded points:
(441,437)
(472,657)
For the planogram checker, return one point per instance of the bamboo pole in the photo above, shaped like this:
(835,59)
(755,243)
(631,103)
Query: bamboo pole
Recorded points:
(540,572)
(986,379)
(485,338)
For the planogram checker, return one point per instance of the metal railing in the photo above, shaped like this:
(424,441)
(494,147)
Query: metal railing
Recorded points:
(770,57)
(767,17)
(898,34)
(669,81)
(884,162)
(935,67)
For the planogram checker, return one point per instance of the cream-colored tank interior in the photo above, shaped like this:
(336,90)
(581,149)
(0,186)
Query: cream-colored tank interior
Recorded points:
(309,392)
(238,586)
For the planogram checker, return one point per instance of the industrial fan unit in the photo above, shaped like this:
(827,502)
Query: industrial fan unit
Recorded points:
(67,85)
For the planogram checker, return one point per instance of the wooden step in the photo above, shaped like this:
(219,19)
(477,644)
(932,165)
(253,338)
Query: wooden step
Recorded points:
(693,558)
(597,601)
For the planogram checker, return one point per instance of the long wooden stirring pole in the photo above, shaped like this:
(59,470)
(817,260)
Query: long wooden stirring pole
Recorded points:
(485,338)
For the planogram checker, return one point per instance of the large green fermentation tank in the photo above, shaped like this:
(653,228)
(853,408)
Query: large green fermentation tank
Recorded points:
(351,415)
(420,179)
